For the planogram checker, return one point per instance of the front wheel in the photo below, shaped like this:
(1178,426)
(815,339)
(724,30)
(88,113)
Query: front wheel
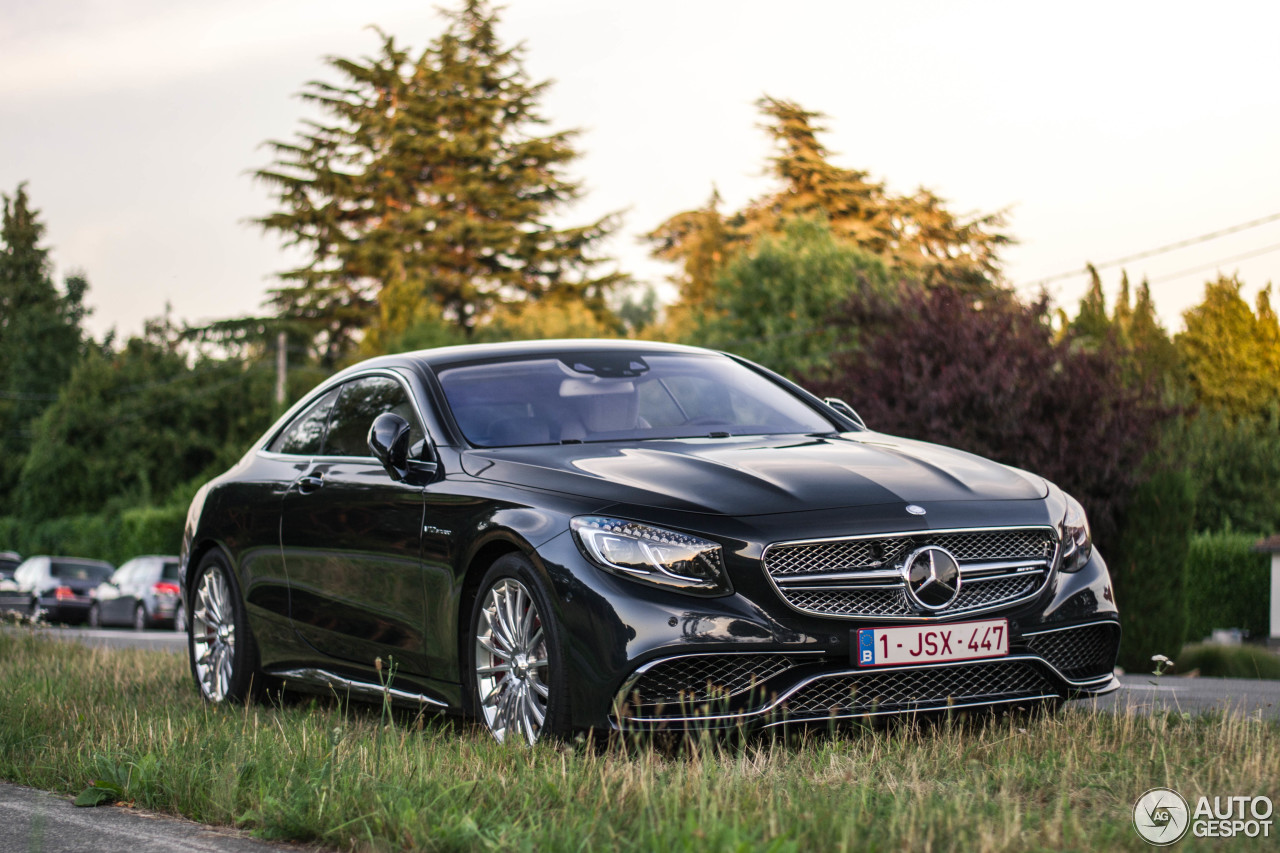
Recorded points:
(220,648)
(518,684)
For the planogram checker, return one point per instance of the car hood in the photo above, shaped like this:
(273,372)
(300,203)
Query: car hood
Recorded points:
(756,476)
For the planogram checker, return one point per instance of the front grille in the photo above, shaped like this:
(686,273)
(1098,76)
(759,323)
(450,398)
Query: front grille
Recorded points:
(920,688)
(802,571)
(700,678)
(1079,653)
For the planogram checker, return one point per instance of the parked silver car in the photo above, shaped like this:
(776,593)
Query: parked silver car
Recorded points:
(54,588)
(142,593)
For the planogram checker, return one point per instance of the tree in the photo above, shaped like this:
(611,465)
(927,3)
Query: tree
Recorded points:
(1231,353)
(771,303)
(991,379)
(427,191)
(40,335)
(914,234)
(135,426)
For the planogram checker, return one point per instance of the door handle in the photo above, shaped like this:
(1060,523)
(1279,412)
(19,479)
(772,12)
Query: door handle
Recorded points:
(310,483)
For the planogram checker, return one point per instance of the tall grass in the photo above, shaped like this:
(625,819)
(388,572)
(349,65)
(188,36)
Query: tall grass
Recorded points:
(356,779)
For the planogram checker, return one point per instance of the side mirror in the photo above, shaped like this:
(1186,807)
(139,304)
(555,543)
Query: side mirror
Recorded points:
(845,409)
(389,441)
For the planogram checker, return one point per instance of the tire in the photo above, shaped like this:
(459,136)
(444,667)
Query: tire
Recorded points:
(35,611)
(95,616)
(516,672)
(220,648)
(140,617)
(180,617)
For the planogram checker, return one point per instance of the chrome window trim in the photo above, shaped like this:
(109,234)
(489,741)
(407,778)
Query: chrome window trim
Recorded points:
(325,389)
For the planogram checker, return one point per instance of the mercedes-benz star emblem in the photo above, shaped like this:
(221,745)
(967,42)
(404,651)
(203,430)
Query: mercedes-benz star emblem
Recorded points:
(932,578)
(915,509)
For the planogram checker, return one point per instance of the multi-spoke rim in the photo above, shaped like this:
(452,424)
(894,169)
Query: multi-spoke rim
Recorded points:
(213,634)
(512,668)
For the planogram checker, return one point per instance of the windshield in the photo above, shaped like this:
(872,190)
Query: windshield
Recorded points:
(620,396)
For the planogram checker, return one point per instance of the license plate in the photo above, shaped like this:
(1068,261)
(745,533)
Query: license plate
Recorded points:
(933,643)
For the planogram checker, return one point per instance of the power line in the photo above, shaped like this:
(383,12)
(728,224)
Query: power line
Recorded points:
(1181,244)
(1244,256)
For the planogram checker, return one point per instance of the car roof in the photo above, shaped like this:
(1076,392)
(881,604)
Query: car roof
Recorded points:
(444,356)
(10,555)
(86,561)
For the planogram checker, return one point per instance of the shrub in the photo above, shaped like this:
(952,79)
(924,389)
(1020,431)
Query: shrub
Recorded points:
(1149,569)
(1229,661)
(1227,583)
(110,536)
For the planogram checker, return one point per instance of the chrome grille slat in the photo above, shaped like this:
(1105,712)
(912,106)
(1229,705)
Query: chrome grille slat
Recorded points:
(919,688)
(797,570)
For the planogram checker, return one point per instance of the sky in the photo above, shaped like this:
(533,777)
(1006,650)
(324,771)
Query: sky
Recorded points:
(1103,129)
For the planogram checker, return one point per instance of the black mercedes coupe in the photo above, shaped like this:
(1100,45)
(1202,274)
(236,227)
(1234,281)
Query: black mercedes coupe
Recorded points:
(561,535)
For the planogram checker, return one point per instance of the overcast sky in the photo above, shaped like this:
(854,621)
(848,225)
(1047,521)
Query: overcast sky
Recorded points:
(1106,129)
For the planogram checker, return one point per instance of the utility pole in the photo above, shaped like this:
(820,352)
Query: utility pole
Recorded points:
(282,367)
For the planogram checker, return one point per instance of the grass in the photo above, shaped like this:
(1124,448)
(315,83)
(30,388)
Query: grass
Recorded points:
(1229,661)
(352,779)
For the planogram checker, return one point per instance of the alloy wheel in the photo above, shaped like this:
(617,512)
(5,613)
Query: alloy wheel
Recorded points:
(213,634)
(512,667)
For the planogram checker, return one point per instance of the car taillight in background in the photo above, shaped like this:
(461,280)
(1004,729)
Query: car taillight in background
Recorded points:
(165,588)
(62,593)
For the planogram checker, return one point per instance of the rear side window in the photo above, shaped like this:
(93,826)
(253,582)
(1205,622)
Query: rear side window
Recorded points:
(304,436)
(80,572)
(361,401)
(170,570)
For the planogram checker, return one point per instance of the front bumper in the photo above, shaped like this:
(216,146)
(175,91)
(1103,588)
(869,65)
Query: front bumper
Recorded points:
(645,659)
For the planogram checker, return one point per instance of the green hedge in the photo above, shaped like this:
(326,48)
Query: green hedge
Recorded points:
(114,537)
(1228,585)
(1149,569)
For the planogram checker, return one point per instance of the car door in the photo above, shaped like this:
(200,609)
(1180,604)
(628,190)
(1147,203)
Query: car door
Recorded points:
(351,538)
(110,593)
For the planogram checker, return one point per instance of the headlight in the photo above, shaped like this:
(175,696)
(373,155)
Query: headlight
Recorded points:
(652,555)
(1077,546)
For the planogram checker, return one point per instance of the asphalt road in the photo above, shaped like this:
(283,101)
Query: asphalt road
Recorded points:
(1242,696)
(115,638)
(39,822)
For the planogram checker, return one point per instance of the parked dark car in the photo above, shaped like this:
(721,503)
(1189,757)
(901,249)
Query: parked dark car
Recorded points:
(9,562)
(54,588)
(569,534)
(142,593)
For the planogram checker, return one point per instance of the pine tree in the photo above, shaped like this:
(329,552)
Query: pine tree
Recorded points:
(1232,355)
(40,335)
(428,193)
(914,234)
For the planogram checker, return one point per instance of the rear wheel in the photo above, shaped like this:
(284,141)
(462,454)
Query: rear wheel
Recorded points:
(221,650)
(180,617)
(35,611)
(140,617)
(517,665)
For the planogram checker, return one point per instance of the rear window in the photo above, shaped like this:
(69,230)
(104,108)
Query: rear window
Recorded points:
(80,571)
